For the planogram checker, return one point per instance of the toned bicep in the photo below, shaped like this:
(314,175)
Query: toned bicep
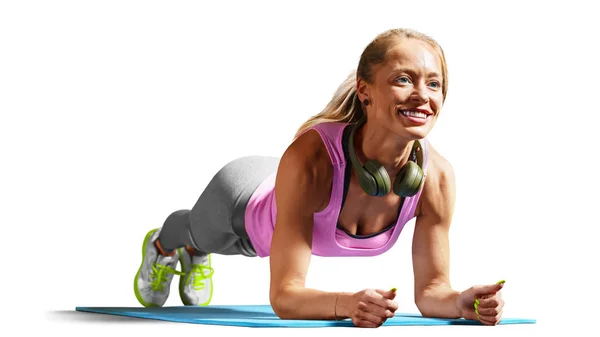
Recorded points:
(299,194)
(431,248)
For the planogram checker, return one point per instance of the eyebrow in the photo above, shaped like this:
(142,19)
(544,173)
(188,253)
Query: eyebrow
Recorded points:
(412,72)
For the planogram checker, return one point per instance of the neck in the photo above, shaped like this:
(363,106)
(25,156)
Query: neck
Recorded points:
(374,142)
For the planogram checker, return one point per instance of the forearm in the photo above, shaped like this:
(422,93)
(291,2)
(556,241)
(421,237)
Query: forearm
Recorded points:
(439,301)
(305,303)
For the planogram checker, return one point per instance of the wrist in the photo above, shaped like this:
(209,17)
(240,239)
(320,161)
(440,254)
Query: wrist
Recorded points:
(336,316)
(458,305)
(341,308)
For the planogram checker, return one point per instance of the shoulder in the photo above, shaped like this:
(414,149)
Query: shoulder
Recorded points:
(308,154)
(440,172)
(305,169)
(439,190)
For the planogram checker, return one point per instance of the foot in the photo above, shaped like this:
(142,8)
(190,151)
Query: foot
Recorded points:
(195,286)
(153,279)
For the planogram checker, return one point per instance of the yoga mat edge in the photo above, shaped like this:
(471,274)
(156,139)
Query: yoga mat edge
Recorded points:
(263,316)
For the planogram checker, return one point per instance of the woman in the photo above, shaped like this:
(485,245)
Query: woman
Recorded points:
(354,175)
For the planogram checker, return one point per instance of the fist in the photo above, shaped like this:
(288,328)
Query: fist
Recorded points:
(483,303)
(370,308)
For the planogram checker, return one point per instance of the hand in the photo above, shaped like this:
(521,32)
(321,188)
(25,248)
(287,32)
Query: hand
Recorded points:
(370,308)
(483,303)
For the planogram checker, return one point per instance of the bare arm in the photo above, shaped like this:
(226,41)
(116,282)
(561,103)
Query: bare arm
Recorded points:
(433,293)
(302,188)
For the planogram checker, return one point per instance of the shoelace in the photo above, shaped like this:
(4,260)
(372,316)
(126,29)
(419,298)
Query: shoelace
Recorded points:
(199,275)
(159,275)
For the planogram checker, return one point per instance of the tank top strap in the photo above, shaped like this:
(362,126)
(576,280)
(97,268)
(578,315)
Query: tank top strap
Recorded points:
(331,134)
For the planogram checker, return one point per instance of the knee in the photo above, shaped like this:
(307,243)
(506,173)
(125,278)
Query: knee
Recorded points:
(180,216)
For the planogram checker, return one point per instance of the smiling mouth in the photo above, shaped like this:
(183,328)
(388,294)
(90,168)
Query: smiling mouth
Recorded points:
(415,113)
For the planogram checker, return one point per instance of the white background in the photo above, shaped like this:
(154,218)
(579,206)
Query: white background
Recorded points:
(116,113)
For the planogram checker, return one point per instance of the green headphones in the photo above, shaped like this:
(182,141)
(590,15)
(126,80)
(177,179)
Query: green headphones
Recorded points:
(374,179)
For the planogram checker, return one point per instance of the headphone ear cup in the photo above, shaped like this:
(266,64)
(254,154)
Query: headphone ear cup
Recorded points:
(380,177)
(367,182)
(409,180)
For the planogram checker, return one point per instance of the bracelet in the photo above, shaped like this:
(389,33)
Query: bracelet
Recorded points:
(335,307)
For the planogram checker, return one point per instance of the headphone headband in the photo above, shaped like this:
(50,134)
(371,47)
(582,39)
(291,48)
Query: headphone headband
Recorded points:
(353,157)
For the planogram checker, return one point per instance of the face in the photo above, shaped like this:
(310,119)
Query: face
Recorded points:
(406,93)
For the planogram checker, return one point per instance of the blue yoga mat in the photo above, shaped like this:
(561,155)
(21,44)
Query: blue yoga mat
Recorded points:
(263,316)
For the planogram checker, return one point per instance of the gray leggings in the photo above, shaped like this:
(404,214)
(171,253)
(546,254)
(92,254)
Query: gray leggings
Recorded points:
(216,222)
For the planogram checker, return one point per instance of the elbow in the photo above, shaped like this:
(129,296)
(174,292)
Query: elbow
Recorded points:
(422,307)
(423,303)
(438,302)
(426,308)
(424,312)
(281,304)
(420,302)
(280,309)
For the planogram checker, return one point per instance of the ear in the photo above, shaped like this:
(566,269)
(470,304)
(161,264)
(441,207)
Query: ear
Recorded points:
(362,89)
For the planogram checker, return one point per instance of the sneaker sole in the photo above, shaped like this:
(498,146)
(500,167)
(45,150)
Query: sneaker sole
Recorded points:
(135,287)
(182,280)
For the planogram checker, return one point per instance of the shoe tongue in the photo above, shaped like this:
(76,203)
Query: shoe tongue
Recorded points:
(200,259)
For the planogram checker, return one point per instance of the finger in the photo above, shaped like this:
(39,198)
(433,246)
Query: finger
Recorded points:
(489,302)
(375,310)
(484,322)
(365,315)
(363,324)
(482,290)
(490,319)
(498,294)
(490,311)
(378,299)
(389,294)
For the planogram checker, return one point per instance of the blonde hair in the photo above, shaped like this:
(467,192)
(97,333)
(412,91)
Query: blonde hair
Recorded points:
(345,106)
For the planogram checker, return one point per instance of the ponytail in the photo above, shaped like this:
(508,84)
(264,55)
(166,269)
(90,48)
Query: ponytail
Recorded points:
(344,107)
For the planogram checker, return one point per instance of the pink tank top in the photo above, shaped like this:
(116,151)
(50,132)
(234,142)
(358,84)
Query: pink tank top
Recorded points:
(328,239)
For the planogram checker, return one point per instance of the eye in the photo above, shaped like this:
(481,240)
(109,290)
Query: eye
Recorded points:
(403,80)
(435,84)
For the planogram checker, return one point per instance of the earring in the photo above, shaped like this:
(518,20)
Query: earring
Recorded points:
(366,101)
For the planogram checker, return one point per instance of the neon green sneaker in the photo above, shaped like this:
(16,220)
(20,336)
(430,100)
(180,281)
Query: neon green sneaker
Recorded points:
(152,281)
(195,285)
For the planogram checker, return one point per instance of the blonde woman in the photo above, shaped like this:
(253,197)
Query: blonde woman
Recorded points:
(353,176)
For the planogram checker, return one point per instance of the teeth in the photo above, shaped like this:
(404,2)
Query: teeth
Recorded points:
(413,113)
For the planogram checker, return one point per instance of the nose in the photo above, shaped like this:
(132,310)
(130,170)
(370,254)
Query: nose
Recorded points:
(420,94)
